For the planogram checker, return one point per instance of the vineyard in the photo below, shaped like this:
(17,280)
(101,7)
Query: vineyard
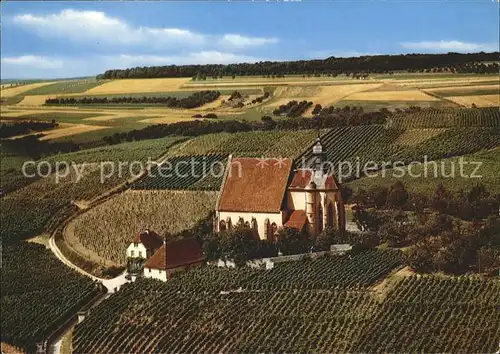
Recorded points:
(26,210)
(186,172)
(201,311)
(444,118)
(487,174)
(38,294)
(288,143)
(133,211)
(350,147)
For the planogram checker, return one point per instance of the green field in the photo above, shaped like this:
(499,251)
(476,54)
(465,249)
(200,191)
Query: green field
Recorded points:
(26,211)
(392,105)
(63,87)
(468,92)
(320,306)
(489,171)
(32,275)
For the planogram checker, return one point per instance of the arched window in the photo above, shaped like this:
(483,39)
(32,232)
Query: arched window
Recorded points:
(254,224)
(330,217)
(274,231)
(228,222)
(222,226)
(267,231)
(320,218)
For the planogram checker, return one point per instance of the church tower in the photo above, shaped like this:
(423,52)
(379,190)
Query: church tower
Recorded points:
(318,155)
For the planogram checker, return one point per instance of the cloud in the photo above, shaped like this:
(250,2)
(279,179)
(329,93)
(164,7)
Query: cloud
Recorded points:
(97,26)
(33,61)
(238,40)
(323,54)
(30,66)
(450,46)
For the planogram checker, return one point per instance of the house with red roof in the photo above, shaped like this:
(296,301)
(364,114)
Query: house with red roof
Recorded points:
(174,256)
(154,257)
(268,194)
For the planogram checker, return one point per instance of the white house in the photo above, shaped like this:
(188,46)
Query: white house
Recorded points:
(266,194)
(174,256)
(144,245)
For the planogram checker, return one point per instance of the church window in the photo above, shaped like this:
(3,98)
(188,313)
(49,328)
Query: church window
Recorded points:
(266,229)
(222,225)
(254,223)
(330,214)
(320,218)
(132,253)
(228,222)
(140,254)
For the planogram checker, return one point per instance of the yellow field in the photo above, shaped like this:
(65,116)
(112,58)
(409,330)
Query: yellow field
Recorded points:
(167,120)
(35,100)
(461,88)
(323,95)
(407,95)
(14,91)
(138,86)
(478,100)
(442,82)
(70,129)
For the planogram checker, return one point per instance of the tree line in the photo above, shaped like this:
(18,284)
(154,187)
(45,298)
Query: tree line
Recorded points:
(25,127)
(343,117)
(364,64)
(194,100)
(292,109)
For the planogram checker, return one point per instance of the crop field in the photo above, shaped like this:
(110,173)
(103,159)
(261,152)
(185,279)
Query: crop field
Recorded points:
(138,210)
(403,95)
(39,293)
(186,172)
(412,137)
(200,311)
(14,91)
(444,118)
(466,90)
(487,163)
(478,100)
(64,87)
(27,210)
(249,144)
(138,86)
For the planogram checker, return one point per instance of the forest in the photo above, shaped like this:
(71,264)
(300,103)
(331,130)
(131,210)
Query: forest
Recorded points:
(450,62)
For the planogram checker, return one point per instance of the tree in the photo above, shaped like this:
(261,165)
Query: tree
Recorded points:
(419,257)
(326,238)
(397,196)
(291,241)
(237,244)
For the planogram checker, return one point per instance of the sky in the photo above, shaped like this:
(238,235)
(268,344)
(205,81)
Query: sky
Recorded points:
(72,39)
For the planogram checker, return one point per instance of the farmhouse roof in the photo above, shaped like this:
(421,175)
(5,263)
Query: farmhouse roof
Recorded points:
(175,254)
(255,185)
(297,220)
(302,178)
(149,239)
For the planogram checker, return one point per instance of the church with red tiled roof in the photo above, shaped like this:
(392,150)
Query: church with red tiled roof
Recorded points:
(268,194)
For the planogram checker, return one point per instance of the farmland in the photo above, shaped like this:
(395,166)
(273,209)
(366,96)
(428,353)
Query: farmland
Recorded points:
(26,210)
(38,301)
(487,174)
(156,210)
(329,304)
(190,313)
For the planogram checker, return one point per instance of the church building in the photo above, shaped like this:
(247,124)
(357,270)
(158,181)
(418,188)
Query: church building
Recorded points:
(268,194)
